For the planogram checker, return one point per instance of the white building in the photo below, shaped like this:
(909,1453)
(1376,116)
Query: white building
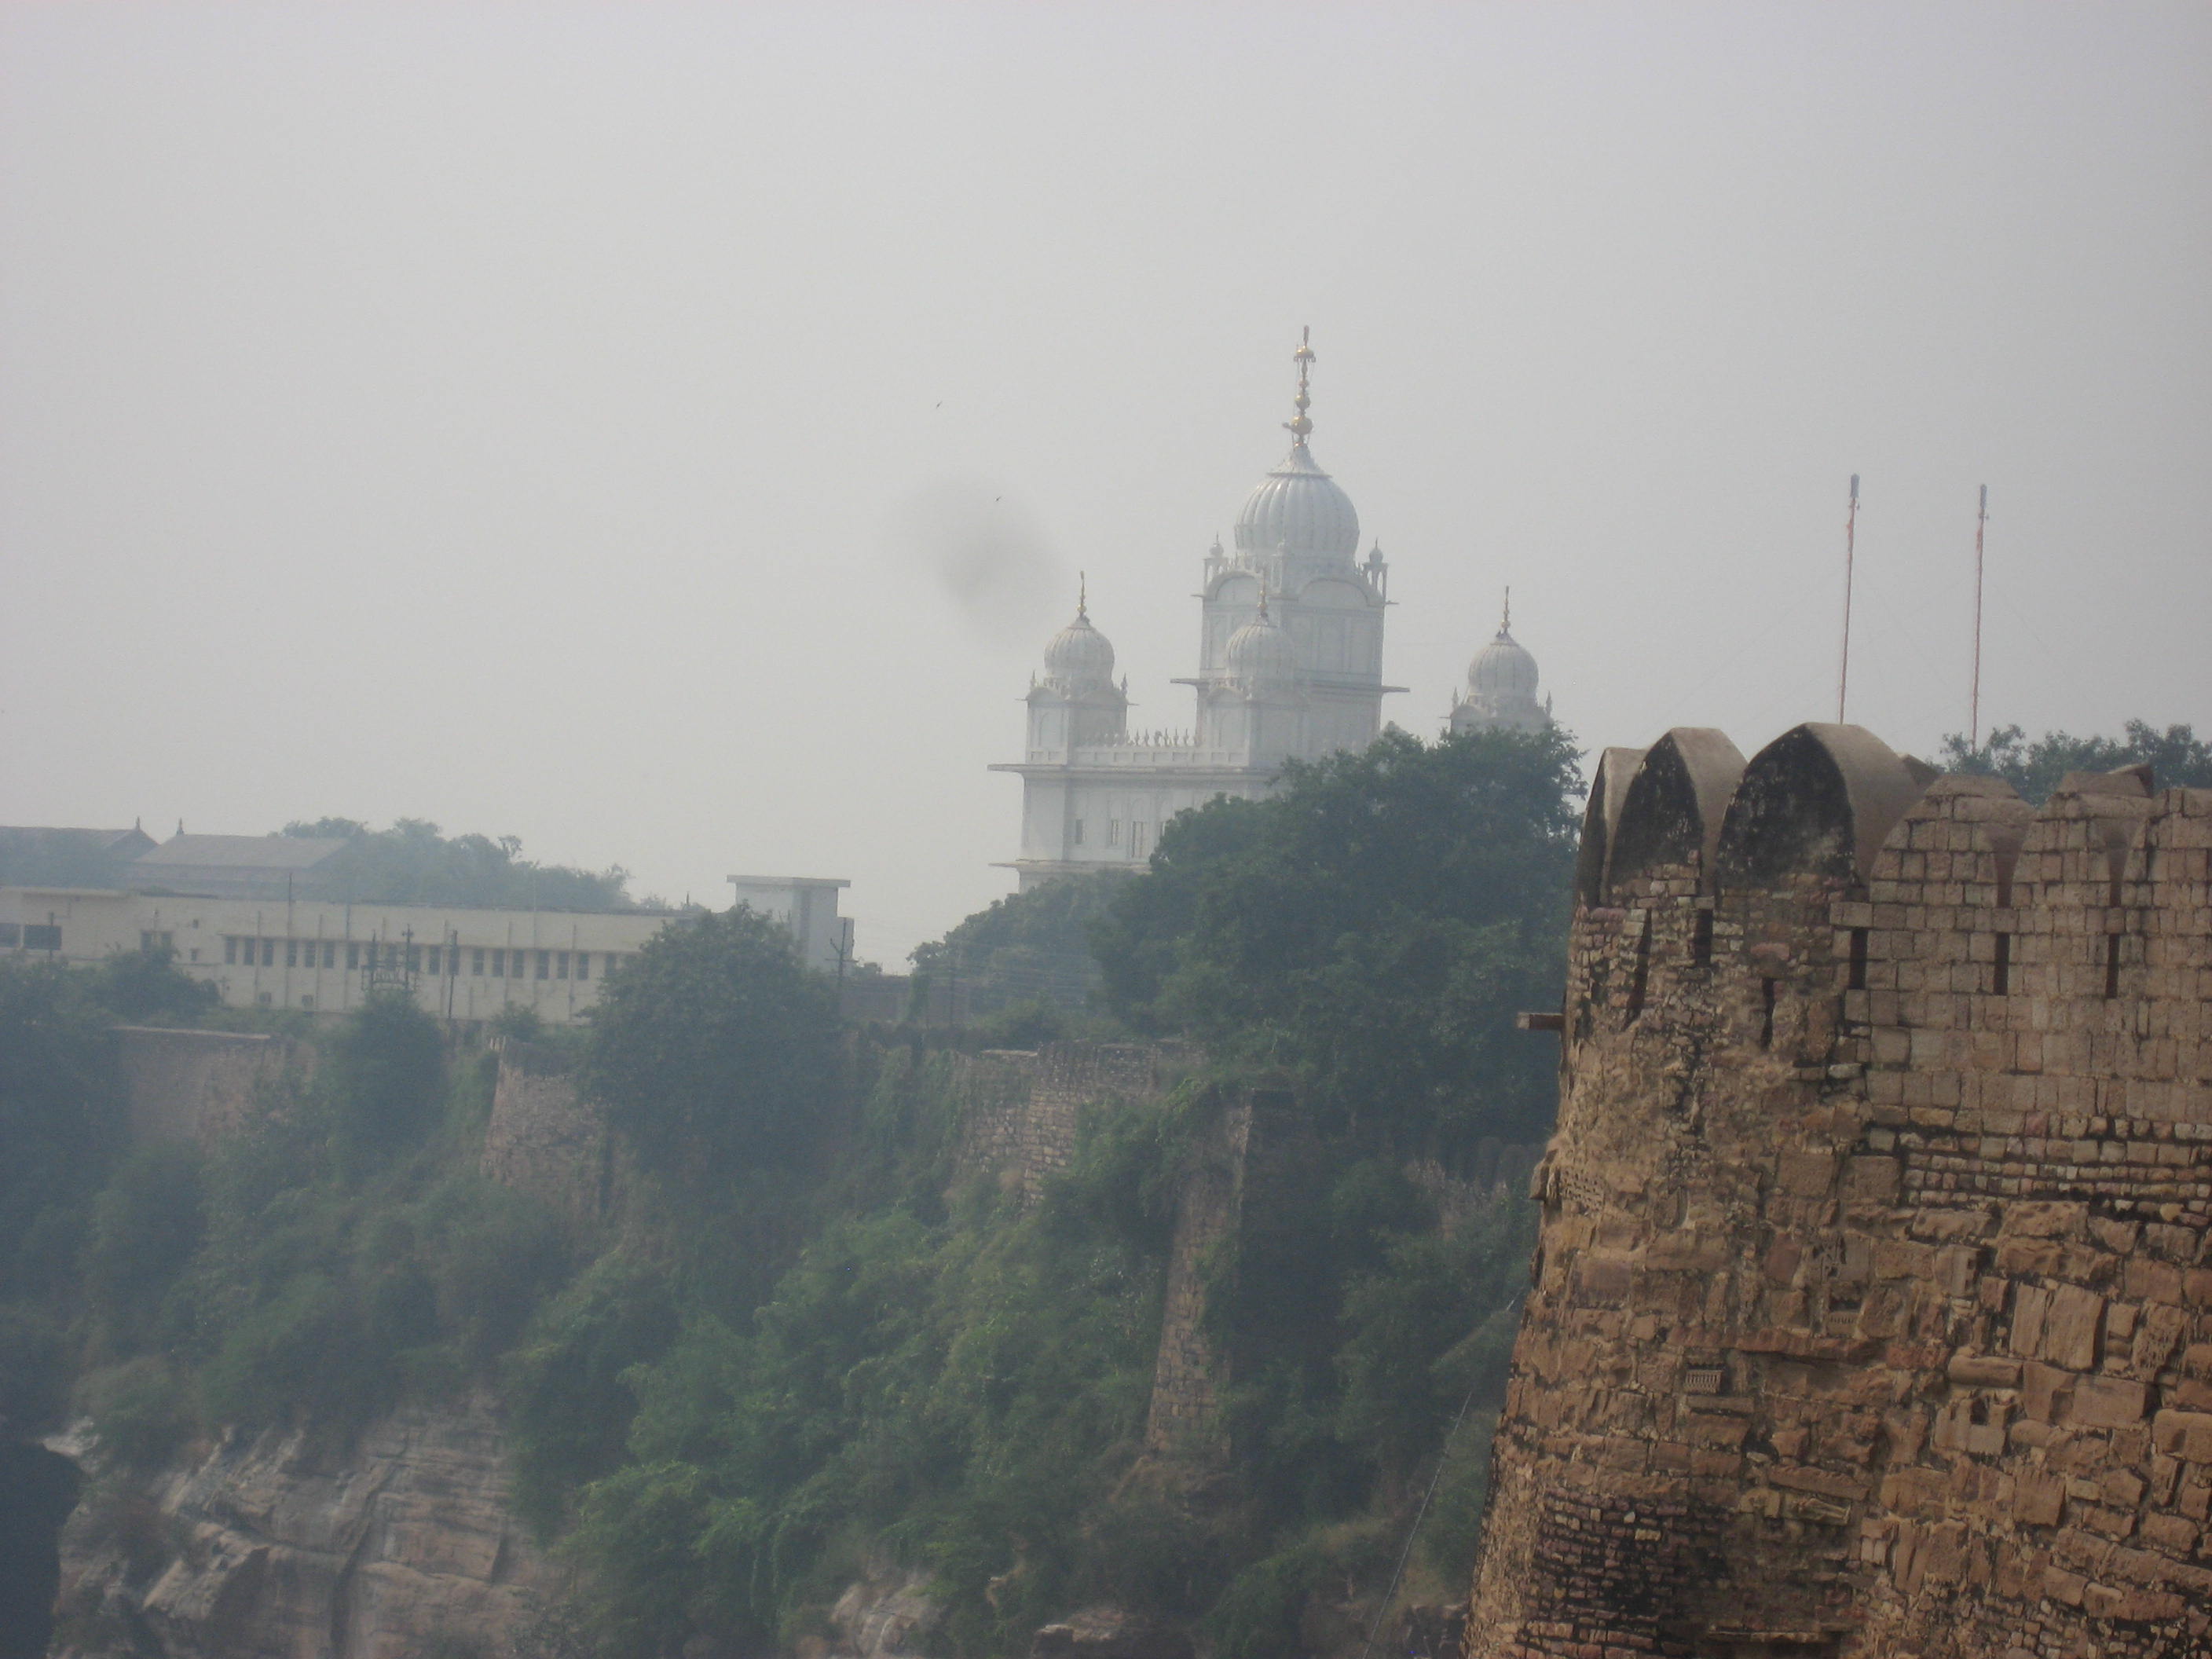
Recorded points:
(1289,667)
(323,954)
(1501,686)
(807,906)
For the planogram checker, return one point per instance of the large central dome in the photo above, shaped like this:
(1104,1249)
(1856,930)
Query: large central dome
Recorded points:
(1301,510)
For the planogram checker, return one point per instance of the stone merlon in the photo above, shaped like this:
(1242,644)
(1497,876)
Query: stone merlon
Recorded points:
(1871,1310)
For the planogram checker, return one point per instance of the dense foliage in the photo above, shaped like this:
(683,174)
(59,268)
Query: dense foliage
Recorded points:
(946,1380)
(2175,756)
(1376,923)
(941,1377)
(61,1121)
(815,1341)
(714,1052)
(961,1382)
(1027,948)
(337,1255)
(411,863)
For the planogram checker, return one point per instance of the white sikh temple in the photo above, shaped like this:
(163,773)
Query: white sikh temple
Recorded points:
(1289,668)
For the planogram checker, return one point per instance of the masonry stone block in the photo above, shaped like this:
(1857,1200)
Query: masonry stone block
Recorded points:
(1964,1307)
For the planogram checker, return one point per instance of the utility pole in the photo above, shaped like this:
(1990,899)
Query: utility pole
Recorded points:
(1850,540)
(1974,696)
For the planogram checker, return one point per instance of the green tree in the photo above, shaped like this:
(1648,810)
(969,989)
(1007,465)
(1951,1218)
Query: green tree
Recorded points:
(567,1387)
(61,1120)
(715,1051)
(386,1079)
(145,1225)
(1374,924)
(969,1388)
(147,984)
(2175,756)
(1027,948)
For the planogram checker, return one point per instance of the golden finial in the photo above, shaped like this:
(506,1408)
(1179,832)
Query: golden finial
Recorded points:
(1506,624)
(1083,595)
(1299,426)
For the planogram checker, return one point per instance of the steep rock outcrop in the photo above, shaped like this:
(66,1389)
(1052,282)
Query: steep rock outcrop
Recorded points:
(281,1545)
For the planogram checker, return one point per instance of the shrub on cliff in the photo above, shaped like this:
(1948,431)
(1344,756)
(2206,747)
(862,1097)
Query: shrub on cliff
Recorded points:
(964,1384)
(1375,924)
(568,1386)
(715,1051)
(145,1226)
(140,1411)
(148,985)
(1030,948)
(60,1121)
(386,1079)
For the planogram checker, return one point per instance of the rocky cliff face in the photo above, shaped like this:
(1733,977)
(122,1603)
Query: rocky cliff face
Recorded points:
(395,1546)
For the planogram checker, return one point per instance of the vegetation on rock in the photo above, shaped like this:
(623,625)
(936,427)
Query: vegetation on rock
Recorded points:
(1375,924)
(1026,949)
(813,1339)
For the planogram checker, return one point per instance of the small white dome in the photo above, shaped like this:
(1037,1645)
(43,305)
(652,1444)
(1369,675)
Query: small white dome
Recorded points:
(1298,509)
(1502,668)
(1262,652)
(1080,655)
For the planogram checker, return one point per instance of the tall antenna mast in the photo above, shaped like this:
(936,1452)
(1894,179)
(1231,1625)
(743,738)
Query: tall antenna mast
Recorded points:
(1974,697)
(1850,541)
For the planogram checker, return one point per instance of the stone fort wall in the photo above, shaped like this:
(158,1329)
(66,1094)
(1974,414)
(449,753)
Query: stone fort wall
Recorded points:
(1019,1107)
(198,1086)
(543,1137)
(1871,1312)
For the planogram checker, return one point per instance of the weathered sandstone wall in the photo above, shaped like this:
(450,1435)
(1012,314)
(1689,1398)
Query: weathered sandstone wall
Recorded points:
(1020,1107)
(196,1086)
(544,1139)
(1872,1314)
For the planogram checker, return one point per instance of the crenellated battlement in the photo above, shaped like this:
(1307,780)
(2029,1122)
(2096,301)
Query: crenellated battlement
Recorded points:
(1872,1313)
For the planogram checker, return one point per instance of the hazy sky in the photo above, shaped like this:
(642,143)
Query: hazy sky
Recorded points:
(670,433)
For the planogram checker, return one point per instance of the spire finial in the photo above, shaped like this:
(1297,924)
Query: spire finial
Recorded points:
(1299,426)
(1083,595)
(1505,625)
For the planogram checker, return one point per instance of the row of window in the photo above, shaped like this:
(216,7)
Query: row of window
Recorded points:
(475,960)
(30,936)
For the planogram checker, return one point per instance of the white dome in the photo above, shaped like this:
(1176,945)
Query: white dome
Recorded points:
(1502,668)
(1263,653)
(1301,510)
(1080,655)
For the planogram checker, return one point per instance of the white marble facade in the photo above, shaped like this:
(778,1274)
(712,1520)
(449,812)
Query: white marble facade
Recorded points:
(1290,666)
